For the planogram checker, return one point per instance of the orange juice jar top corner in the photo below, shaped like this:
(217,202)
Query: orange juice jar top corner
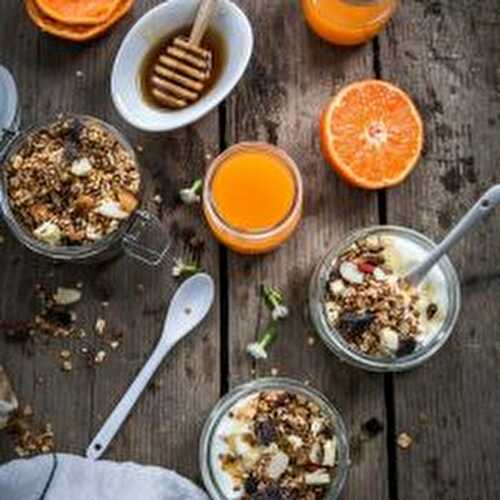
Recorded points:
(348,22)
(252,197)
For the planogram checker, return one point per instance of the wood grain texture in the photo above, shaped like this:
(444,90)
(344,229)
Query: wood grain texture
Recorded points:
(446,54)
(291,76)
(165,427)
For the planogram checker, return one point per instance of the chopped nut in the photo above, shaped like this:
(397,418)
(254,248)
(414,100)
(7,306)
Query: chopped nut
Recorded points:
(112,210)
(128,201)
(389,339)
(67,366)
(100,357)
(67,296)
(278,465)
(48,232)
(81,167)
(100,326)
(330,452)
(405,440)
(318,477)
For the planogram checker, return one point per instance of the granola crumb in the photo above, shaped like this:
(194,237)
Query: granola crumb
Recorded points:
(311,341)
(100,326)
(67,366)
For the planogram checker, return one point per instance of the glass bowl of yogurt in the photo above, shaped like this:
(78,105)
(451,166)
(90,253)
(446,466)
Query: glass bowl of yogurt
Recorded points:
(367,314)
(274,438)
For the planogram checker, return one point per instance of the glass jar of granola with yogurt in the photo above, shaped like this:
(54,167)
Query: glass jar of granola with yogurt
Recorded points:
(274,438)
(368,315)
(71,190)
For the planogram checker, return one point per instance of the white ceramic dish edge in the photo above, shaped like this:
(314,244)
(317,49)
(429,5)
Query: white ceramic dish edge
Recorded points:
(228,20)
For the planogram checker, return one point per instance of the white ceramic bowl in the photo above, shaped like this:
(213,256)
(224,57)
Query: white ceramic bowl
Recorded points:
(228,20)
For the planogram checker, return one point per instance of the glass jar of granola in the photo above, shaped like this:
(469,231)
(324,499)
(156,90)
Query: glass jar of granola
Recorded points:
(368,315)
(71,190)
(274,438)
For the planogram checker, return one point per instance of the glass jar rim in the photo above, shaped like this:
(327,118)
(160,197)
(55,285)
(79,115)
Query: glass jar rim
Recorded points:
(211,208)
(222,407)
(373,22)
(334,340)
(61,252)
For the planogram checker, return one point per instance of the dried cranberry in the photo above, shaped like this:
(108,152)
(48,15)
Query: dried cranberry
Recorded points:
(366,267)
(406,347)
(266,432)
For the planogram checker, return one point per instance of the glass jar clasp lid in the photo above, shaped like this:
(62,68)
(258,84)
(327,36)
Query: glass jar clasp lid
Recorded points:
(145,239)
(9,108)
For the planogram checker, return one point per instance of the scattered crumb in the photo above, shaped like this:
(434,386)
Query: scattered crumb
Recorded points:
(158,199)
(307,383)
(105,304)
(139,148)
(311,341)
(100,326)
(208,156)
(65,354)
(114,345)
(67,366)
(274,372)
(79,285)
(29,440)
(140,288)
(404,440)
(79,73)
(100,357)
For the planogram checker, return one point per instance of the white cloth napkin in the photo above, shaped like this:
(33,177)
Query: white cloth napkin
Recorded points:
(68,477)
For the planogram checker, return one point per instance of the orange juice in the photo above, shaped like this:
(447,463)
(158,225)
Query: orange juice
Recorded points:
(348,22)
(253,197)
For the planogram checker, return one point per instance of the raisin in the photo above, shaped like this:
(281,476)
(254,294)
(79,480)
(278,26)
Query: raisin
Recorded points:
(266,432)
(373,427)
(432,311)
(251,485)
(406,347)
(355,324)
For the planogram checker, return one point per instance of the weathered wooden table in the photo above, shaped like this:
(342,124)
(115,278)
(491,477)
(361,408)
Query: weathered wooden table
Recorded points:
(446,54)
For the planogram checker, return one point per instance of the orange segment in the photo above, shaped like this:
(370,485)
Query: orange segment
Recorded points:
(372,134)
(78,11)
(77,33)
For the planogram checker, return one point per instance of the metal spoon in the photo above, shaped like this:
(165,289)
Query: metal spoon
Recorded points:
(484,206)
(188,308)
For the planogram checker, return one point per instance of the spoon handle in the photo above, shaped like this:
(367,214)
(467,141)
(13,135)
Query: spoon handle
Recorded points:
(205,11)
(123,408)
(483,207)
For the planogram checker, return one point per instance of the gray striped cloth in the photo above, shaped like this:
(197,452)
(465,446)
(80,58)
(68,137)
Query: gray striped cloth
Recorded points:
(69,477)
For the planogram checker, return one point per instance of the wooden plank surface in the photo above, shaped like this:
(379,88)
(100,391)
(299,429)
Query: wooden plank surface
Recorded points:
(165,427)
(447,55)
(291,77)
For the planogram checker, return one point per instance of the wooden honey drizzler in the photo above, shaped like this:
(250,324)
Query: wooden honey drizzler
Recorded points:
(181,73)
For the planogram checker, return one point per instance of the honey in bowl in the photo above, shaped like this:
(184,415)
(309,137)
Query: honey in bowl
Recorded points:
(212,41)
(348,22)
(253,197)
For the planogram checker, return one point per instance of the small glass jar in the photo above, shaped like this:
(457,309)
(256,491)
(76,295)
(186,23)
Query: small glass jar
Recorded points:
(336,342)
(141,236)
(348,22)
(261,241)
(222,408)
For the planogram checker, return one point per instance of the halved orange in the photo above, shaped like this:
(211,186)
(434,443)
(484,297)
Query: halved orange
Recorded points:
(78,11)
(372,134)
(76,33)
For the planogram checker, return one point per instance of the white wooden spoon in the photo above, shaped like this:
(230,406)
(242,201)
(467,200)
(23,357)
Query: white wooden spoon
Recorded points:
(188,308)
(484,206)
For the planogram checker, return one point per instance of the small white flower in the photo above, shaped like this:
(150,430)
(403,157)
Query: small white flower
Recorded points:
(192,195)
(280,312)
(177,268)
(257,351)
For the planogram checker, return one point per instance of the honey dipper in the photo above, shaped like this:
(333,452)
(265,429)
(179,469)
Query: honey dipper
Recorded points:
(181,73)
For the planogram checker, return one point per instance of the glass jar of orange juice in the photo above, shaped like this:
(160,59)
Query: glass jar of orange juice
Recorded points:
(348,22)
(252,197)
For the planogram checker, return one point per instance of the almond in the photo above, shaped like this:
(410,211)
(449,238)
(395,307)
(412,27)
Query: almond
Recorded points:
(84,203)
(127,201)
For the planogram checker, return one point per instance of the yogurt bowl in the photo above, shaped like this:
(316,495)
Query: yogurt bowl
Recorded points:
(367,315)
(231,25)
(274,437)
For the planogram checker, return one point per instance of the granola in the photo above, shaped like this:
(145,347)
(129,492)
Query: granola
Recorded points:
(278,445)
(369,303)
(72,182)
